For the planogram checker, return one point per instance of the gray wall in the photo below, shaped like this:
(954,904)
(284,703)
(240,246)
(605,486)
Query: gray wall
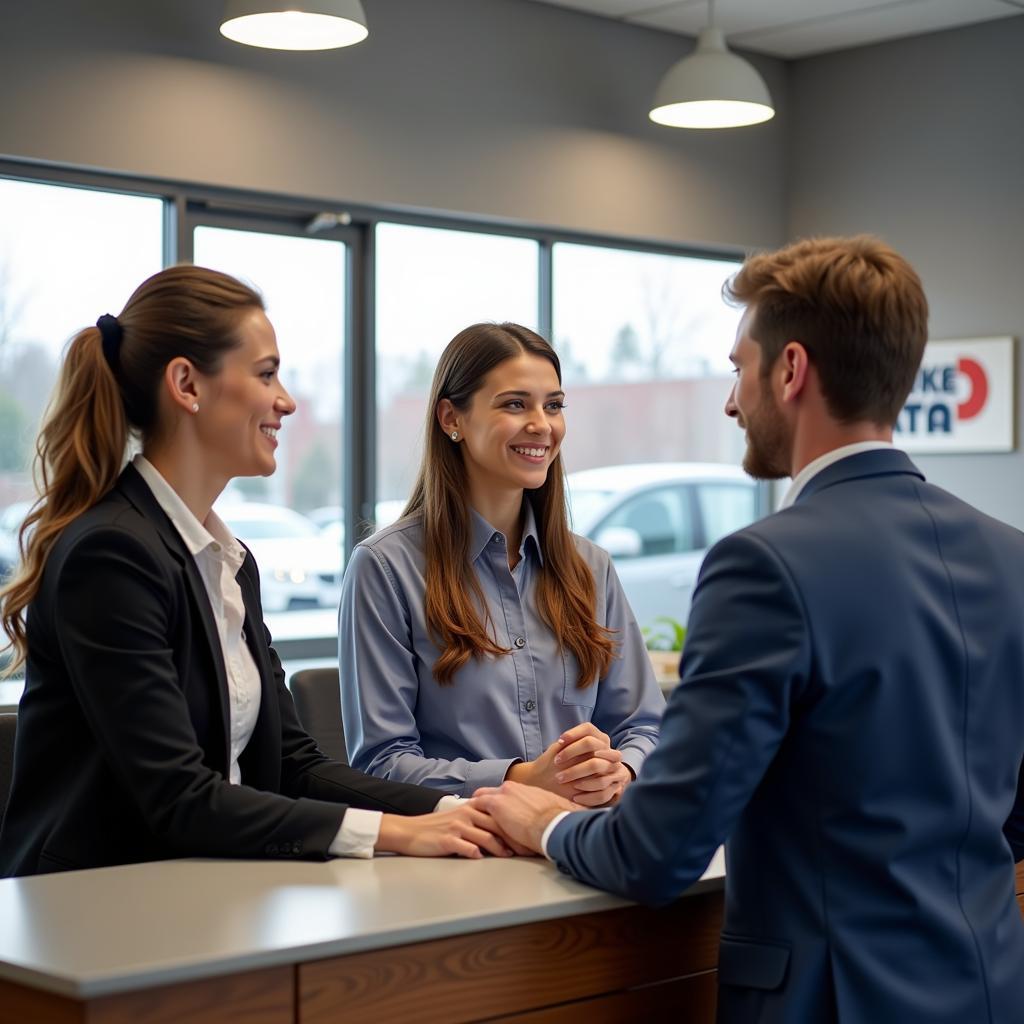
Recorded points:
(922,141)
(495,107)
(512,109)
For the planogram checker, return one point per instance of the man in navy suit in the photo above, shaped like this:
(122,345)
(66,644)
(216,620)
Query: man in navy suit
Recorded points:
(851,711)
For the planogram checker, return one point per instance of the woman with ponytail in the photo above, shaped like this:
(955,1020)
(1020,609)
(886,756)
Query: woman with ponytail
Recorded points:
(155,721)
(480,639)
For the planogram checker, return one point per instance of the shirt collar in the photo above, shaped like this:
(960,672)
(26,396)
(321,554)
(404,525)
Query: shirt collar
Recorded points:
(483,534)
(197,536)
(822,462)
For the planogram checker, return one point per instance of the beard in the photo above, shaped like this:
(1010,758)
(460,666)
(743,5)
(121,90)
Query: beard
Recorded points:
(769,440)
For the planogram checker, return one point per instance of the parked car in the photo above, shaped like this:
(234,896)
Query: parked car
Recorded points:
(329,519)
(299,567)
(10,523)
(657,521)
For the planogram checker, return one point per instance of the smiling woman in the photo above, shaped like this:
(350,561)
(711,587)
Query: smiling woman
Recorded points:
(155,722)
(480,639)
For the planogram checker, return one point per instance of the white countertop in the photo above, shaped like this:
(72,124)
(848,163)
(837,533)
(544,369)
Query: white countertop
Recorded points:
(90,933)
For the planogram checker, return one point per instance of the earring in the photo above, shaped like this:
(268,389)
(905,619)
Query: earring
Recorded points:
(455,435)
(195,407)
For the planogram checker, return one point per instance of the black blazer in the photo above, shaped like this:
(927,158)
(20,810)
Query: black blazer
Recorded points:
(122,746)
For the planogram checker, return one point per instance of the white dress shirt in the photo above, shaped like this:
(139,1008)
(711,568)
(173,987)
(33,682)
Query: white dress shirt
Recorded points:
(219,556)
(800,481)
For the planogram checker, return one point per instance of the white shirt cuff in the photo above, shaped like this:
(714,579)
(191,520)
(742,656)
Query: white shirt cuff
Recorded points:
(547,833)
(449,802)
(358,834)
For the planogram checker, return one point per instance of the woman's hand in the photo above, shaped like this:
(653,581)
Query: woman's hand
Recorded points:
(599,780)
(581,765)
(466,831)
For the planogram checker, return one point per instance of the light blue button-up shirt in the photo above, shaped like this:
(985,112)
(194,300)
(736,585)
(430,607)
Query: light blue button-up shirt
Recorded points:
(401,724)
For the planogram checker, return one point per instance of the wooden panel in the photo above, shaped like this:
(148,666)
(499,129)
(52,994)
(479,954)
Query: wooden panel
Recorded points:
(511,970)
(19,1005)
(256,997)
(690,999)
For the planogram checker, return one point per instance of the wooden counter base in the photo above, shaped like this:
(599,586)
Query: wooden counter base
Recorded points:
(514,970)
(542,973)
(628,963)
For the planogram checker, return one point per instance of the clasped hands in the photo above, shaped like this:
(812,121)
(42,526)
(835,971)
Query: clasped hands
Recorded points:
(581,765)
(580,769)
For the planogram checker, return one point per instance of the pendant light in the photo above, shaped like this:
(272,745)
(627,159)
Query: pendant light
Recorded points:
(295,24)
(711,88)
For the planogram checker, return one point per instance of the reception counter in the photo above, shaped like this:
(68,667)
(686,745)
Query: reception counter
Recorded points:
(391,939)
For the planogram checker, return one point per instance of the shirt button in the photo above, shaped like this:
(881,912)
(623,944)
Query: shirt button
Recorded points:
(215,546)
(519,642)
(529,705)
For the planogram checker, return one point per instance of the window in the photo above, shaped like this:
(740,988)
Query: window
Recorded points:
(431,283)
(67,255)
(644,340)
(291,520)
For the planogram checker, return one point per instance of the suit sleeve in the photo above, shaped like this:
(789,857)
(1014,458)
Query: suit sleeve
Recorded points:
(124,673)
(1014,827)
(380,686)
(307,772)
(747,658)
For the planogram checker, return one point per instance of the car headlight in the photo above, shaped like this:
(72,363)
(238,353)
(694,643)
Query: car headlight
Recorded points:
(290,575)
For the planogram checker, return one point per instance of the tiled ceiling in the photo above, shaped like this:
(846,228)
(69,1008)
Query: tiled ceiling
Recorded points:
(800,28)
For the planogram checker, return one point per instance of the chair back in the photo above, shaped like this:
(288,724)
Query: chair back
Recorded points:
(317,696)
(8,727)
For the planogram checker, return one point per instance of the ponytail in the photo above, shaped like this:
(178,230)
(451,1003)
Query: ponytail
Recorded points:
(107,387)
(79,454)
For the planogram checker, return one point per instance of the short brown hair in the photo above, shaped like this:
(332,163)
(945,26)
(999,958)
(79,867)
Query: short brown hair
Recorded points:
(855,304)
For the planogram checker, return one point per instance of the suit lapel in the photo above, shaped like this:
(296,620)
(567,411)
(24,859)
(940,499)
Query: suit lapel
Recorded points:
(268,724)
(138,493)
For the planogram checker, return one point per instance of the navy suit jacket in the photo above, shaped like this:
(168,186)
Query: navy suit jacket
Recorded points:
(851,719)
(122,746)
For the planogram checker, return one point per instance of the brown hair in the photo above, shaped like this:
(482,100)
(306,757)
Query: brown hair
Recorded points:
(182,311)
(566,592)
(855,304)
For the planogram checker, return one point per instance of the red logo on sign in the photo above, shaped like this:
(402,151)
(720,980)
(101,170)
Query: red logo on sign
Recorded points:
(976,400)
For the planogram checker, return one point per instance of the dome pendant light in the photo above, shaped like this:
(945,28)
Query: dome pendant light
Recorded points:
(295,24)
(711,88)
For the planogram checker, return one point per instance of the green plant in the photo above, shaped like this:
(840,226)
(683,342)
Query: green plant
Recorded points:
(668,634)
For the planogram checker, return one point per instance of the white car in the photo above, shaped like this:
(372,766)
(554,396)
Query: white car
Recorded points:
(657,521)
(299,567)
(10,525)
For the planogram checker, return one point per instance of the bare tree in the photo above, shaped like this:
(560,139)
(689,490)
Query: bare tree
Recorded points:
(669,329)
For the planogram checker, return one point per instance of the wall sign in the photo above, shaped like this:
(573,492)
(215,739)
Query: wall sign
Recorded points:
(962,400)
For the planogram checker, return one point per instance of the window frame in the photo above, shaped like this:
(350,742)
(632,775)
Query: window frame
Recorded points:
(190,204)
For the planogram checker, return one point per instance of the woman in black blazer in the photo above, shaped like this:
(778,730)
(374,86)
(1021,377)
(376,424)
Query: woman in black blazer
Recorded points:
(151,686)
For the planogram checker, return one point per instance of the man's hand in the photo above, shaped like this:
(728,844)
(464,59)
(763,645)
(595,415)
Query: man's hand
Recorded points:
(467,831)
(521,812)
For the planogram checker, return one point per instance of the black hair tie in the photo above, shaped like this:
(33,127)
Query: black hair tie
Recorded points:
(111,334)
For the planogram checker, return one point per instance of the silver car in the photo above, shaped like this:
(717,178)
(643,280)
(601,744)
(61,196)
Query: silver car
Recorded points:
(657,521)
(299,567)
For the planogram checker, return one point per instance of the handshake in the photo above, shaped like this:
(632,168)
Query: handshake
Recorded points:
(580,769)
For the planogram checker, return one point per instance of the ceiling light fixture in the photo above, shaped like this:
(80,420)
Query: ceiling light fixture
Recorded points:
(295,24)
(712,87)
